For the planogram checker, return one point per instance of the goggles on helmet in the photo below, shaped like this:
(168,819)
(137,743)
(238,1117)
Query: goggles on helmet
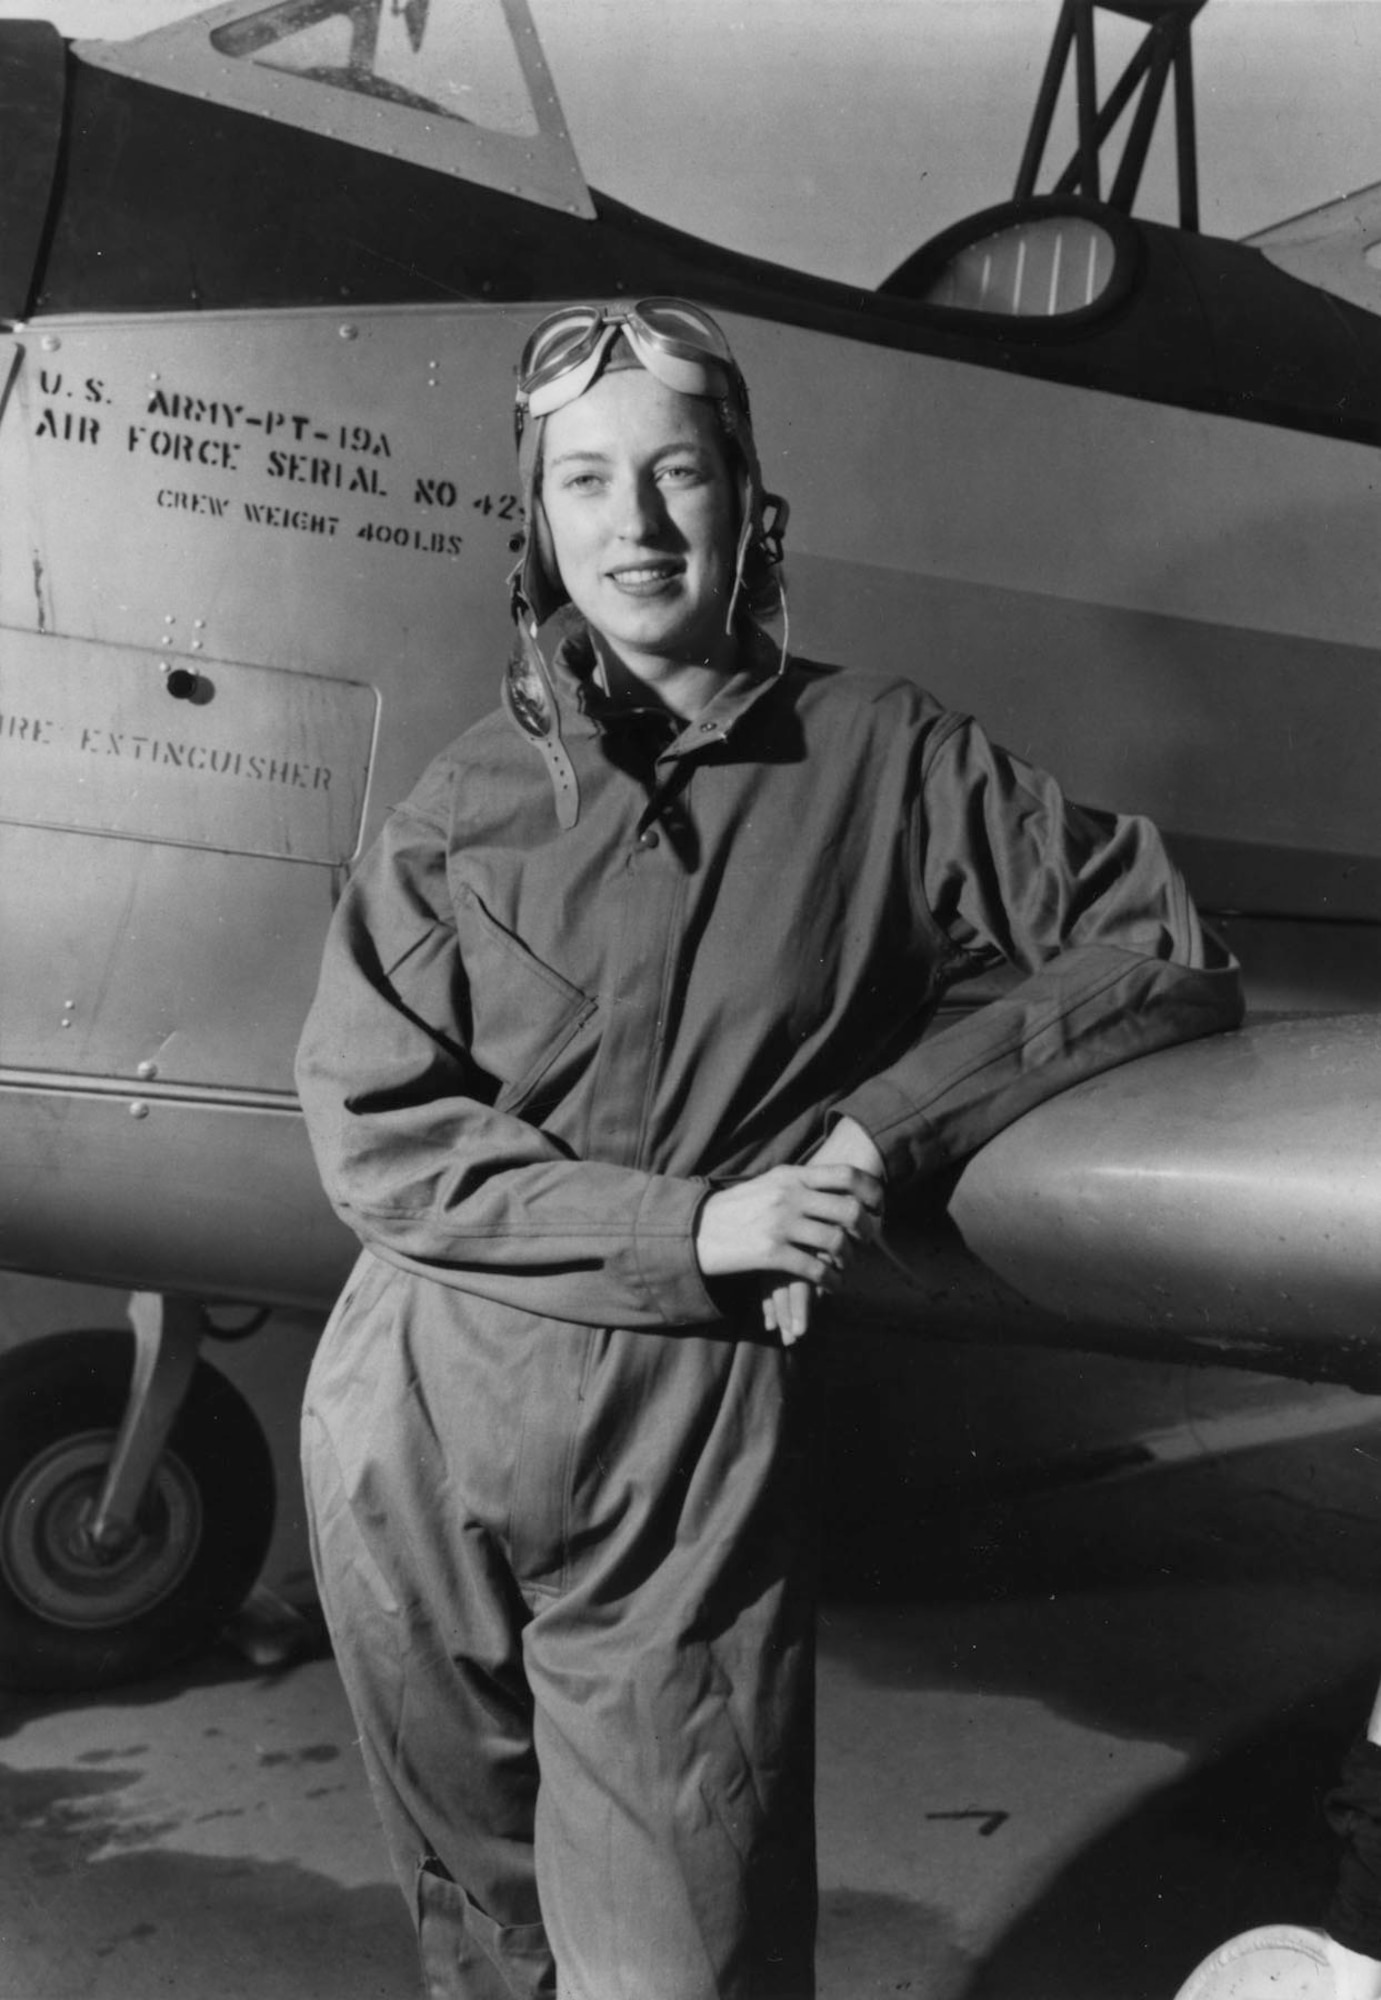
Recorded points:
(673,339)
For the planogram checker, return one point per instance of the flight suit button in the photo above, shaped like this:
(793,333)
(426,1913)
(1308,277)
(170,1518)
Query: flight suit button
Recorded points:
(650,839)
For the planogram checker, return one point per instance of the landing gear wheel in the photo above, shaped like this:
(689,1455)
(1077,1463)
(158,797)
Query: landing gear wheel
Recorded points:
(74,1615)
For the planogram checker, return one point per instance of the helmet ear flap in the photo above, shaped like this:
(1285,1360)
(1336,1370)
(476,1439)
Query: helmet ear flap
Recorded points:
(541,579)
(758,584)
(540,531)
(538,577)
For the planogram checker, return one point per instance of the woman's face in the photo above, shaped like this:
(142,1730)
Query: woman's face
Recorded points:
(640,504)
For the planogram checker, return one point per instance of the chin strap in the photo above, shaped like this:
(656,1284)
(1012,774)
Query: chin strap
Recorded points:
(770,532)
(530,702)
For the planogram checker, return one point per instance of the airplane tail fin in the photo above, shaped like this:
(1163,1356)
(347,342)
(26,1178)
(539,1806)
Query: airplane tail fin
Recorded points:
(1336,247)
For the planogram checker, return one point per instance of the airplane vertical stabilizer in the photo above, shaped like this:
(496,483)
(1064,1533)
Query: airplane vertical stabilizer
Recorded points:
(1336,247)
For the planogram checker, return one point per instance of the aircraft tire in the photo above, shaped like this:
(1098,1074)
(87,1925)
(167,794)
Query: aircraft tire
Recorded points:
(70,1617)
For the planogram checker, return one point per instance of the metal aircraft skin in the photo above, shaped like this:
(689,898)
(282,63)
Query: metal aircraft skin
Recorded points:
(1108,484)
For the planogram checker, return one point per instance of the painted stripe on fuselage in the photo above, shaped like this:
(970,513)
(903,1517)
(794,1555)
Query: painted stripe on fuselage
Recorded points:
(913,462)
(1216,732)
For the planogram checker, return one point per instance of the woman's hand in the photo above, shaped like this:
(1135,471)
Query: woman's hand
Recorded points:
(801,1223)
(796,1222)
(786,1308)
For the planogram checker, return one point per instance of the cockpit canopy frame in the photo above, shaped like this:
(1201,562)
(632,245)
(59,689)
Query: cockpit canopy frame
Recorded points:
(225,55)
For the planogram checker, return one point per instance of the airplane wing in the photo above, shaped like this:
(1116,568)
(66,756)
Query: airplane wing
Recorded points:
(1218,1199)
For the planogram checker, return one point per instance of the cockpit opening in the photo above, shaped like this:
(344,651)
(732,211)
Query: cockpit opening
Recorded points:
(1051,261)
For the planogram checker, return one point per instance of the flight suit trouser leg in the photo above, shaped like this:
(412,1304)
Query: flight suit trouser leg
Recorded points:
(447,1748)
(675,1832)
(570,1577)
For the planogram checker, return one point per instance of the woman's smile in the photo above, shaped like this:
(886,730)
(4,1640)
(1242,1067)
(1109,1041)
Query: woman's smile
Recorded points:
(647,578)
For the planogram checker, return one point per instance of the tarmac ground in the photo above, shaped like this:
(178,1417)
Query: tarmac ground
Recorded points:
(1070,1739)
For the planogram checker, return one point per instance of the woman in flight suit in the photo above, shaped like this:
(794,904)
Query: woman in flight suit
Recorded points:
(616,1045)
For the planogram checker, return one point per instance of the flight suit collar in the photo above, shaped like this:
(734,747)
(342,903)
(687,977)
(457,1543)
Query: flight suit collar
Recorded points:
(586,711)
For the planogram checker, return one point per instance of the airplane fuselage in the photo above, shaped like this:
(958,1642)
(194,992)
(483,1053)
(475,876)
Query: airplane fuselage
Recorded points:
(257,495)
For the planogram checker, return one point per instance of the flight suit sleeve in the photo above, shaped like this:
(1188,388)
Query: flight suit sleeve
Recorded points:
(425,1171)
(1087,905)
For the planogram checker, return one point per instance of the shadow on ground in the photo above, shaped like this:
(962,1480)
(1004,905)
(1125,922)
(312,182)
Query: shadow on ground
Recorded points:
(1237,1843)
(1186,1606)
(873,1944)
(158,1922)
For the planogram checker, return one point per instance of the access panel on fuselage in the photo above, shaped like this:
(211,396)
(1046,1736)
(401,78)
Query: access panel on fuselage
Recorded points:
(251,580)
(312,491)
(121,740)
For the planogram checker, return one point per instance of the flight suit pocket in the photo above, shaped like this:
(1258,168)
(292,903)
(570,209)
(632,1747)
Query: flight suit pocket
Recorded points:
(524,1015)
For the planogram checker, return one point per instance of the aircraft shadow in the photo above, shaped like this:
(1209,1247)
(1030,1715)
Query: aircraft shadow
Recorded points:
(220,1666)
